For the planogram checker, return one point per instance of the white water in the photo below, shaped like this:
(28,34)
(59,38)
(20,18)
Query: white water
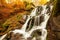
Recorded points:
(42,26)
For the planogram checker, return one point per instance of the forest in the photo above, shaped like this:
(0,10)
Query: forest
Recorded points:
(14,13)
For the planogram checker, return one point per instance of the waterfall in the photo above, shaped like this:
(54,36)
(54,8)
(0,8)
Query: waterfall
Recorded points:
(40,21)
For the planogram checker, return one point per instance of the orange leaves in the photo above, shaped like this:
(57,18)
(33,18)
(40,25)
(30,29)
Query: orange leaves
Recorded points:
(13,3)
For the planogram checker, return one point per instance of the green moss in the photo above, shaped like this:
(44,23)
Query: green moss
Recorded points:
(56,8)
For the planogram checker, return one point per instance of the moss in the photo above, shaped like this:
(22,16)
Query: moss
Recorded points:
(56,8)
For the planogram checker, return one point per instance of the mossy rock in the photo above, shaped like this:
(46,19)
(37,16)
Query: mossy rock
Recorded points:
(56,8)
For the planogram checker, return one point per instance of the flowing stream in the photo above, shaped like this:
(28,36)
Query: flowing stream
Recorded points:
(40,15)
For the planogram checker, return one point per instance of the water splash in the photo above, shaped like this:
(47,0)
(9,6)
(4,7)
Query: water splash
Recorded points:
(41,26)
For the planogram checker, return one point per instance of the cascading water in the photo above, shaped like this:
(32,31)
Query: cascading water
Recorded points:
(41,16)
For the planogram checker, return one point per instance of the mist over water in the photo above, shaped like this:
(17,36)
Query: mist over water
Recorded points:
(36,21)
